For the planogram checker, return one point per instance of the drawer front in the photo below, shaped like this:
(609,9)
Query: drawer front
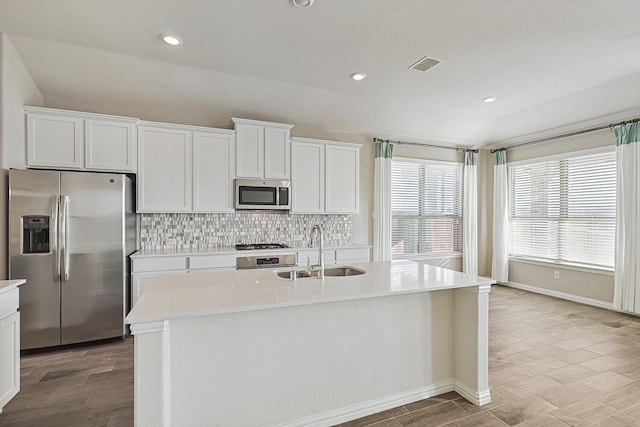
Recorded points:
(312,254)
(352,254)
(166,263)
(212,261)
(9,302)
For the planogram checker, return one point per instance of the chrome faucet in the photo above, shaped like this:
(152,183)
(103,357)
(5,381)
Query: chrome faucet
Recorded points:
(320,265)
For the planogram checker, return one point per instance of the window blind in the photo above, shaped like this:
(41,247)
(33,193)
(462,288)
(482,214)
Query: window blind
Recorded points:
(426,207)
(564,210)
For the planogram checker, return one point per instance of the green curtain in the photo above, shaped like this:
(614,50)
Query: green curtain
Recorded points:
(384,149)
(382,201)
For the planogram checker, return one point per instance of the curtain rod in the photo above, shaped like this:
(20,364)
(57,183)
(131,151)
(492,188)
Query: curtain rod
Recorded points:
(417,144)
(566,135)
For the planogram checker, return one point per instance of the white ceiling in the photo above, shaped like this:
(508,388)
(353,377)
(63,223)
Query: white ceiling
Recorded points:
(553,65)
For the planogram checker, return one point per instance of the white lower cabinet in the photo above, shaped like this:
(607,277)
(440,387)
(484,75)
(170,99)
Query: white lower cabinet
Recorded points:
(9,346)
(353,254)
(146,268)
(139,283)
(334,256)
(311,255)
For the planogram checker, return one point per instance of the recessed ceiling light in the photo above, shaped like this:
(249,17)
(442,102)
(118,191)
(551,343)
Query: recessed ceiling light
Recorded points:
(302,3)
(489,99)
(171,40)
(358,76)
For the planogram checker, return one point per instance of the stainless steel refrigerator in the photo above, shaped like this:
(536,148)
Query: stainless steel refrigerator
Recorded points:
(70,235)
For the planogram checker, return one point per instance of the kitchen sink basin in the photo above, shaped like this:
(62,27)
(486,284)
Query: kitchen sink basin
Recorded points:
(328,272)
(342,271)
(300,274)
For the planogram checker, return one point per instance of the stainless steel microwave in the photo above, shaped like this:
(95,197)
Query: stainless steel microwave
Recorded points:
(263,194)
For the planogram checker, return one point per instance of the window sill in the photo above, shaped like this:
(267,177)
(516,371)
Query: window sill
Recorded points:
(448,255)
(567,266)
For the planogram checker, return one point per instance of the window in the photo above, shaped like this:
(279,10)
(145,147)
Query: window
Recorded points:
(426,207)
(564,210)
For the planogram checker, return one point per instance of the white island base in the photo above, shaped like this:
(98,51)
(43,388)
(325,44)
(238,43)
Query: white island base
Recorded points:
(248,349)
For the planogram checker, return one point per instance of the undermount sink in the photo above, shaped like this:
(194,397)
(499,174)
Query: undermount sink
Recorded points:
(328,272)
(343,271)
(300,274)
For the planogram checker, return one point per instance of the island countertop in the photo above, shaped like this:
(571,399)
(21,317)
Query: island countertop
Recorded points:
(181,295)
(8,285)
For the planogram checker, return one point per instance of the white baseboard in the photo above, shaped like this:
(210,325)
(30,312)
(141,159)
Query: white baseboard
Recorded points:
(561,295)
(353,412)
(476,397)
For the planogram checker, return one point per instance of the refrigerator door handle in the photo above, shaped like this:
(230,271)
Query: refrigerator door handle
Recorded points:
(64,240)
(53,238)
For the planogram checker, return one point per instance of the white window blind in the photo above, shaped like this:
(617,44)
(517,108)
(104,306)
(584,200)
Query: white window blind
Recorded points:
(564,210)
(426,208)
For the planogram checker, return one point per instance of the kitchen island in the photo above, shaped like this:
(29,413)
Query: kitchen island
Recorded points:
(248,348)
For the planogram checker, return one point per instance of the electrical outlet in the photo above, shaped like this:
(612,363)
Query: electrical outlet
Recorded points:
(556,274)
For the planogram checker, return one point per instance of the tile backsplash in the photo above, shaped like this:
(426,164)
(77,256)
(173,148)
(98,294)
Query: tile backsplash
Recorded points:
(209,230)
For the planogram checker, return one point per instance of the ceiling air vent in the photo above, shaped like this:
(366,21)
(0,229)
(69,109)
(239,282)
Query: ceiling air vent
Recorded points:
(425,64)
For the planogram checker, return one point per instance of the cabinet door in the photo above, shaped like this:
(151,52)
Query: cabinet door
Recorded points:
(139,283)
(353,254)
(276,153)
(311,255)
(10,357)
(164,170)
(342,179)
(307,177)
(250,151)
(54,141)
(110,145)
(213,172)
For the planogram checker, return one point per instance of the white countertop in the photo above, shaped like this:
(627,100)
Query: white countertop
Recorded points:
(180,295)
(228,250)
(8,285)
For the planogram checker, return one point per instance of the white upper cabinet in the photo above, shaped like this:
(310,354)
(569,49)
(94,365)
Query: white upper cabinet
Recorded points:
(213,171)
(110,145)
(185,168)
(61,139)
(277,153)
(164,169)
(325,176)
(307,177)
(342,178)
(262,149)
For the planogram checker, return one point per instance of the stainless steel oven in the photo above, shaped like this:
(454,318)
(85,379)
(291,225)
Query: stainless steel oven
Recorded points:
(273,260)
(265,194)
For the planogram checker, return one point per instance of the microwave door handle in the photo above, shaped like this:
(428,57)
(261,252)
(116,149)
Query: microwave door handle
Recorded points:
(53,237)
(277,196)
(64,241)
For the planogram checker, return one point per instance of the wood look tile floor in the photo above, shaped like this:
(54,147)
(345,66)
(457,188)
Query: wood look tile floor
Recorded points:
(83,385)
(552,363)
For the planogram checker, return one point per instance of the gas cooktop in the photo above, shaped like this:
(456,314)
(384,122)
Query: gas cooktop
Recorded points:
(251,246)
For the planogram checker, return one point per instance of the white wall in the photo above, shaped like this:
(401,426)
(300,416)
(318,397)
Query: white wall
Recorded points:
(17,89)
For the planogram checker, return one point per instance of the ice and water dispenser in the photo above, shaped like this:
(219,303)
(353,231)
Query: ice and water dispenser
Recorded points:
(35,234)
